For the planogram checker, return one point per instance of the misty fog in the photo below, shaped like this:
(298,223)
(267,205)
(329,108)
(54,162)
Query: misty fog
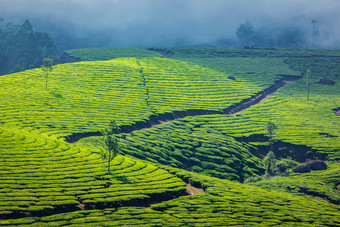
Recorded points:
(149,23)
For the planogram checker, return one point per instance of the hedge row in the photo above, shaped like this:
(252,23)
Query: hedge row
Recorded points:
(224,203)
(41,175)
(184,145)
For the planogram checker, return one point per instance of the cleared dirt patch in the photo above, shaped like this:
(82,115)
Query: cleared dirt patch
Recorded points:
(194,191)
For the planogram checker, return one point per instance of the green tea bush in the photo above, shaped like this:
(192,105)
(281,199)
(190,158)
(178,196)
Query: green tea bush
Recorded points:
(55,175)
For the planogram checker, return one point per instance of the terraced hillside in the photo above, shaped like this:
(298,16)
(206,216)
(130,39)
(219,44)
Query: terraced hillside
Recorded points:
(42,175)
(186,146)
(47,181)
(84,96)
(301,122)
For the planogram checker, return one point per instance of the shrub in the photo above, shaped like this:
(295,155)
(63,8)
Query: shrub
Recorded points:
(284,164)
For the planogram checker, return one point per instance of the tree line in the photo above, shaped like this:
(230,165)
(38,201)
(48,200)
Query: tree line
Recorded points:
(22,48)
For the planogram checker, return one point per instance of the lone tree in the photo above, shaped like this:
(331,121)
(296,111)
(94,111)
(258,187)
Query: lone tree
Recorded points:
(245,33)
(111,144)
(270,132)
(47,67)
(269,162)
(308,83)
(315,32)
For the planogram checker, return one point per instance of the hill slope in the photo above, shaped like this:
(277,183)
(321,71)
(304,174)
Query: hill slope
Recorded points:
(45,180)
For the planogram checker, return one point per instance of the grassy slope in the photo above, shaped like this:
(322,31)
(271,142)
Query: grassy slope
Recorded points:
(224,202)
(42,175)
(186,146)
(40,172)
(316,183)
(82,96)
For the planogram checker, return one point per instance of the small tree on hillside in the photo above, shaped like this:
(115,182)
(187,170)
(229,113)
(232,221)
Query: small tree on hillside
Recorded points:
(269,162)
(111,143)
(270,132)
(308,83)
(315,33)
(47,67)
(245,33)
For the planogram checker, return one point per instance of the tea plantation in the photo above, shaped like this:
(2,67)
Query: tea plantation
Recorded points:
(176,129)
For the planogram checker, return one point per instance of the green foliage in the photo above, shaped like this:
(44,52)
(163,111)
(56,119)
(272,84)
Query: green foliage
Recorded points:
(285,164)
(270,128)
(224,203)
(47,64)
(285,106)
(41,174)
(319,184)
(269,162)
(245,33)
(21,48)
(185,146)
(111,142)
(95,92)
(230,203)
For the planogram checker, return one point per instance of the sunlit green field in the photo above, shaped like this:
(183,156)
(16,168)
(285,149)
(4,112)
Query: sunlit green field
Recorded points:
(46,181)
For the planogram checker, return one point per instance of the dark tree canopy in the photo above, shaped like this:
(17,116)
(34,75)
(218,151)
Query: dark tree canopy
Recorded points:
(27,26)
(21,48)
(245,33)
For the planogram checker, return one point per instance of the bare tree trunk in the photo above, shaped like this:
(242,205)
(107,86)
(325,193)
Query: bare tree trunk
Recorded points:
(308,83)
(109,161)
(46,79)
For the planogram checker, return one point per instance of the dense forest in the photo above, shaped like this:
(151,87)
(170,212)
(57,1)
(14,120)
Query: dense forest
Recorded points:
(22,48)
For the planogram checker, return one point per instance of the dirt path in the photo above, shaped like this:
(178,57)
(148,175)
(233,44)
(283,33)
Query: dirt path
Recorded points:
(194,191)
(260,99)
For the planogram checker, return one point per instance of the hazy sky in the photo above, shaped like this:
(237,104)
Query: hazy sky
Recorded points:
(147,22)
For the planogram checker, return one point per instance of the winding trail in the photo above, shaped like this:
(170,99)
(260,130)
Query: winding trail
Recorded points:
(157,119)
(258,99)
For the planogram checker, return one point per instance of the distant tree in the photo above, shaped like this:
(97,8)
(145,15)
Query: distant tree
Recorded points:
(27,26)
(269,162)
(270,132)
(47,67)
(308,83)
(315,32)
(245,33)
(291,37)
(111,143)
